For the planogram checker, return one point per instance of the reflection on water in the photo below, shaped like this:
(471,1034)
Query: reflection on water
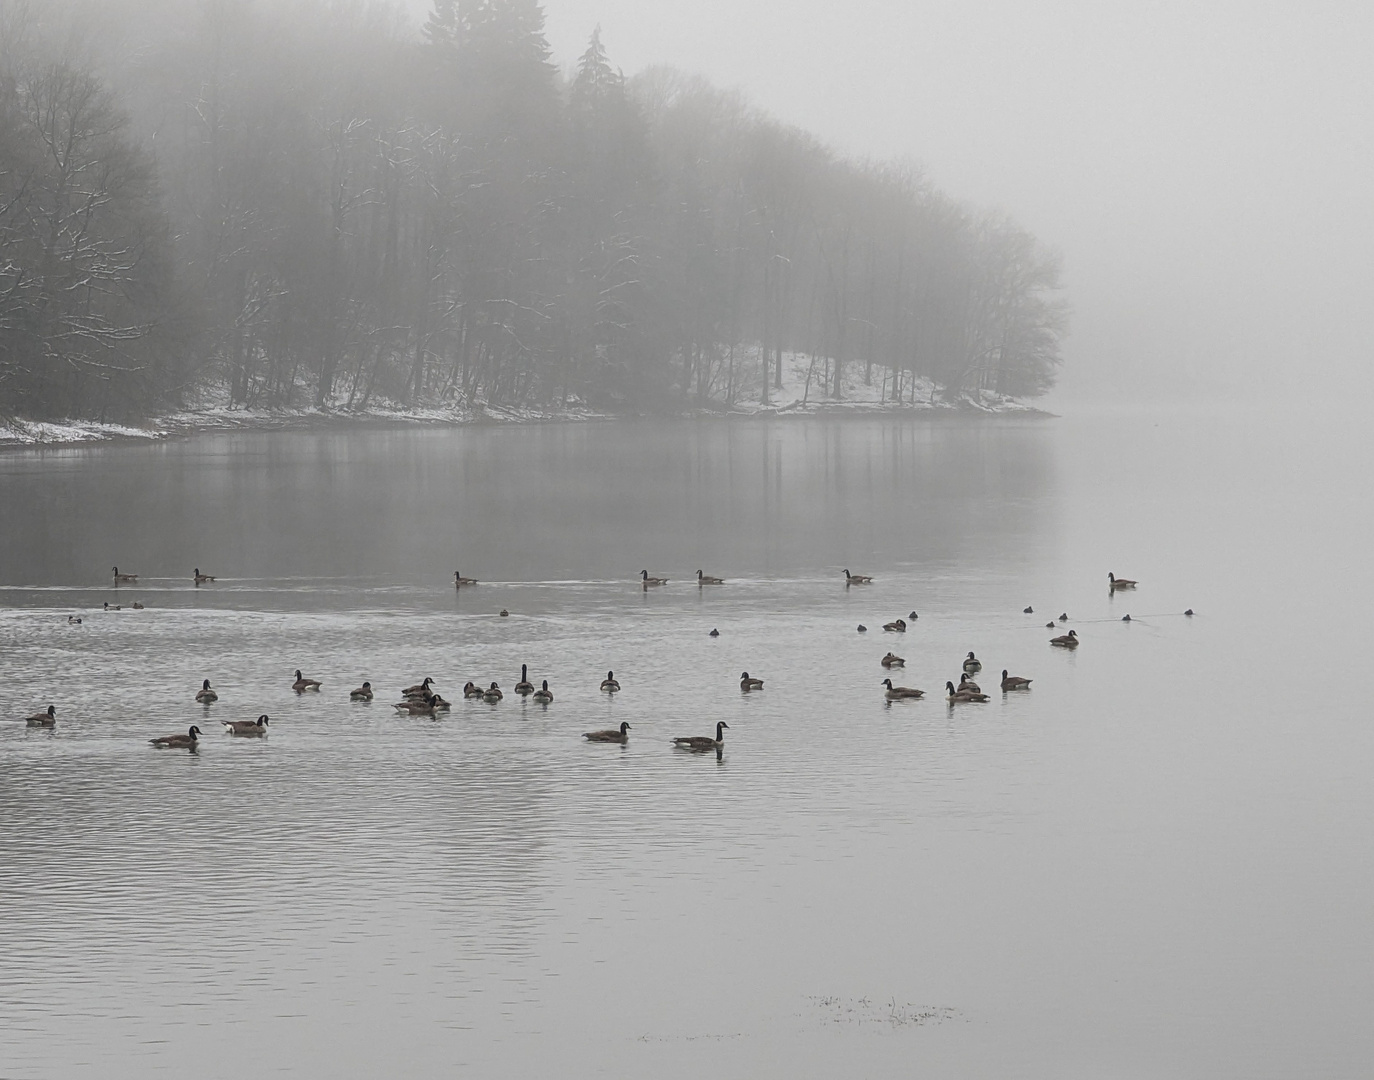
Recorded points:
(1115,872)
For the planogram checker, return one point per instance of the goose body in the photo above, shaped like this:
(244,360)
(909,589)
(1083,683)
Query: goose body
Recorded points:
(862,628)
(747,684)
(123,577)
(609,735)
(459,581)
(1063,616)
(901,693)
(246,727)
(189,739)
(46,718)
(892,660)
(492,694)
(896,626)
(363,693)
(972,664)
(137,606)
(420,689)
(609,683)
(471,690)
(1114,582)
(111,607)
(647,580)
(707,579)
(72,620)
(965,683)
(703,742)
(1014,682)
(201,579)
(714,632)
(1066,641)
(206,695)
(302,684)
(857,579)
(958,696)
(417,706)
(544,695)
(524,686)
(1028,611)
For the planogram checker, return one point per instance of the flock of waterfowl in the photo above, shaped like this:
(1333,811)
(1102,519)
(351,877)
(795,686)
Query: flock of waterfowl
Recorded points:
(421,699)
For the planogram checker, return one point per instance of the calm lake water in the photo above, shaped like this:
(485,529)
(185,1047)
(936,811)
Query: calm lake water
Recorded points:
(1158,862)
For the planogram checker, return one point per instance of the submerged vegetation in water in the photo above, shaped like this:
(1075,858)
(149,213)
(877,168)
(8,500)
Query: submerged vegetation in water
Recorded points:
(312,205)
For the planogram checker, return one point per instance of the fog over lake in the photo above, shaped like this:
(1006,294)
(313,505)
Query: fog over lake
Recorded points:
(1154,861)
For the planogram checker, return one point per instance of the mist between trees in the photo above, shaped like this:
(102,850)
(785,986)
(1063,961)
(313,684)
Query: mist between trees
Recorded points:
(315,204)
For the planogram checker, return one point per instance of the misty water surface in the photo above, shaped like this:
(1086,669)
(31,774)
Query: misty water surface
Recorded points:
(1155,862)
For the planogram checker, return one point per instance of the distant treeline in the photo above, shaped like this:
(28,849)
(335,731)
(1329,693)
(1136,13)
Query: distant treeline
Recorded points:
(308,202)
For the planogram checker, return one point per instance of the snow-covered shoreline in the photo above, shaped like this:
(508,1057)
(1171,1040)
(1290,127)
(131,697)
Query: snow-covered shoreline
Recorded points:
(797,397)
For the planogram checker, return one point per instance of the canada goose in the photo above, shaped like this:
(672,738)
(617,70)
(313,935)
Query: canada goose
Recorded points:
(109,608)
(1063,616)
(363,693)
(857,579)
(913,616)
(707,579)
(1051,626)
(612,735)
(544,695)
(504,613)
(302,684)
(1189,612)
(189,739)
(746,683)
(965,683)
(1066,641)
(201,579)
(459,581)
(1114,582)
(492,694)
(420,689)
(957,696)
(416,706)
(900,693)
(609,683)
(123,577)
(1126,617)
(972,664)
(524,686)
(862,628)
(1014,682)
(472,690)
(644,574)
(703,742)
(246,727)
(137,606)
(439,703)
(1028,611)
(47,718)
(896,626)
(72,620)
(206,695)
(893,660)
(713,633)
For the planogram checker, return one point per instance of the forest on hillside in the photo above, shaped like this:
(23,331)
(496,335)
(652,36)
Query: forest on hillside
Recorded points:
(317,203)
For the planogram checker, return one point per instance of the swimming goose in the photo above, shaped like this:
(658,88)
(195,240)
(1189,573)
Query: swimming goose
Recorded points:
(893,660)
(459,581)
(913,616)
(896,626)
(1063,616)
(957,696)
(857,579)
(189,739)
(524,686)
(109,608)
(965,683)
(492,694)
(420,689)
(746,683)
(609,683)
(472,690)
(972,664)
(206,695)
(72,620)
(1051,626)
(707,579)
(246,727)
(123,577)
(47,718)
(713,633)
(363,693)
(703,742)
(611,735)
(1066,641)
(417,706)
(1189,612)
(504,613)
(544,695)
(201,579)
(1028,611)
(302,684)
(899,693)
(1014,682)
(644,574)
(1114,582)
(862,628)
(137,606)
(1126,617)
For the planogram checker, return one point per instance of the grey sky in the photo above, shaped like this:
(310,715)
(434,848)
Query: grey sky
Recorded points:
(1205,168)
